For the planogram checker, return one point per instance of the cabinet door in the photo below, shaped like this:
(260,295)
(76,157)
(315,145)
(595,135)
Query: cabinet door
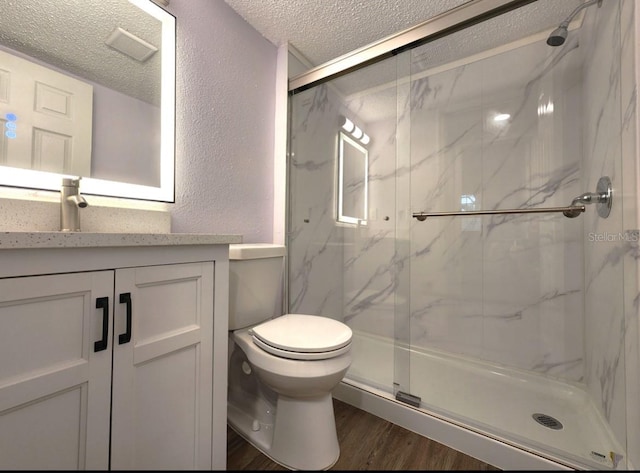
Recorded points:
(162,377)
(54,388)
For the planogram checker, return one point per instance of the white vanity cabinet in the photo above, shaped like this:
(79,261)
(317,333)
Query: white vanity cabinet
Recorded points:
(54,389)
(113,357)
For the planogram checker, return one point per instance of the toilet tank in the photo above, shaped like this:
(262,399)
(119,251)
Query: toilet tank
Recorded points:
(256,278)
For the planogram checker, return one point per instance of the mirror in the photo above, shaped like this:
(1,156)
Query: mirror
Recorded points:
(353,165)
(123,52)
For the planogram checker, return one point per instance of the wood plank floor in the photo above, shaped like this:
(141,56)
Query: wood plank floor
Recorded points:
(367,442)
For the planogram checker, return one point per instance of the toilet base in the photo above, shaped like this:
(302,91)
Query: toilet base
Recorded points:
(303,436)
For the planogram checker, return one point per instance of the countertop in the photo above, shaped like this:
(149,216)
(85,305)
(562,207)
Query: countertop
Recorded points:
(26,240)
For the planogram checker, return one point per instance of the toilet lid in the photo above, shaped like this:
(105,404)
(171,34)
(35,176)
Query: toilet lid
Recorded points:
(292,334)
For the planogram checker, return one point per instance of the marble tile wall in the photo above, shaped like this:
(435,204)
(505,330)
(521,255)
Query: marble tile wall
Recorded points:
(611,244)
(629,23)
(315,241)
(506,289)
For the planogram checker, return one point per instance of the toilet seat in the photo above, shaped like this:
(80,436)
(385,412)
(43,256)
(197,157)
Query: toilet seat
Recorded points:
(303,337)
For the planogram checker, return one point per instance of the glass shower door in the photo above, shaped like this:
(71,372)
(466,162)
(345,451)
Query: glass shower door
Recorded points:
(343,260)
(507,334)
(403,257)
(516,326)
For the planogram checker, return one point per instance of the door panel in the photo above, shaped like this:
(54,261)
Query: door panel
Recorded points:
(162,381)
(44,434)
(54,388)
(46,117)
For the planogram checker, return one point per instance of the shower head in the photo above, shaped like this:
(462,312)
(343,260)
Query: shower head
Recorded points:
(559,35)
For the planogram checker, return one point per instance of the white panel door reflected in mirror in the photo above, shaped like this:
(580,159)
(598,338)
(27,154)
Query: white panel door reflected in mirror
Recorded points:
(353,165)
(46,118)
(125,49)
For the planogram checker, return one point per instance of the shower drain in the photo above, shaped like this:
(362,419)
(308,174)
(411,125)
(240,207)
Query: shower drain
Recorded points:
(547,421)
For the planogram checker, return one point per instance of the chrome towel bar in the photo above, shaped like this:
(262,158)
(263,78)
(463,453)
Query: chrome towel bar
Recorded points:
(603,197)
(422,216)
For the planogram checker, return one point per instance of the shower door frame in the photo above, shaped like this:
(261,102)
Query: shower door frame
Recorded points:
(456,19)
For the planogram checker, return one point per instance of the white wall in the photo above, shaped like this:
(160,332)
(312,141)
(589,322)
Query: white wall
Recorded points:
(225,94)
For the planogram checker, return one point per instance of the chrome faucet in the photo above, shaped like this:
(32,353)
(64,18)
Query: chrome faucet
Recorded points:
(70,203)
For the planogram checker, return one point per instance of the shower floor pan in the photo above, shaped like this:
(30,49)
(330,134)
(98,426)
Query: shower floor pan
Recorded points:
(494,401)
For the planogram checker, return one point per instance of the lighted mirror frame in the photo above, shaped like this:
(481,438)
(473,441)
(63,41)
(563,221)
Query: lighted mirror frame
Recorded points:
(41,180)
(345,140)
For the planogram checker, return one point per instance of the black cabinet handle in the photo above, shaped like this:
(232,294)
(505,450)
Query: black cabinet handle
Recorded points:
(125,298)
(103,303)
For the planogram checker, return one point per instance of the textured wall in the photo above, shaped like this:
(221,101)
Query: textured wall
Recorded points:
(224,123)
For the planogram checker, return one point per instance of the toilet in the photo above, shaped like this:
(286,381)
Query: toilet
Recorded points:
(282,367)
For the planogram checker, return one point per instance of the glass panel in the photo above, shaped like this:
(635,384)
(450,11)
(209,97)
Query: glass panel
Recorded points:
(342,267)
(402,258)
(506,312)
(315,240)
(521,327)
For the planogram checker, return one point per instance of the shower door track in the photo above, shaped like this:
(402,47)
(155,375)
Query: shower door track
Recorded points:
(456,19)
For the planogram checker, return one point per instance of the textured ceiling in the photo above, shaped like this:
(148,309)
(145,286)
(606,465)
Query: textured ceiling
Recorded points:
(322,30)
(70,35)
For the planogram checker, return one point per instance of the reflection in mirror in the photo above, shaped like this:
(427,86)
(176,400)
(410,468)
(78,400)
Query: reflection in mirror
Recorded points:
(117,54)
(353,165)
(46,118)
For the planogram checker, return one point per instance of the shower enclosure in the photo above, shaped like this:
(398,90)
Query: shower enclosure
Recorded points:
(503,318)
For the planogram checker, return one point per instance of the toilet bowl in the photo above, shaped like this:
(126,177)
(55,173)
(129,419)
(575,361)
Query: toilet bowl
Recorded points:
(282,368)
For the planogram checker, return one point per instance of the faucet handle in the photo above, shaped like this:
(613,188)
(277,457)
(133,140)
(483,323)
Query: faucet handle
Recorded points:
(70,202)
(71,182)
